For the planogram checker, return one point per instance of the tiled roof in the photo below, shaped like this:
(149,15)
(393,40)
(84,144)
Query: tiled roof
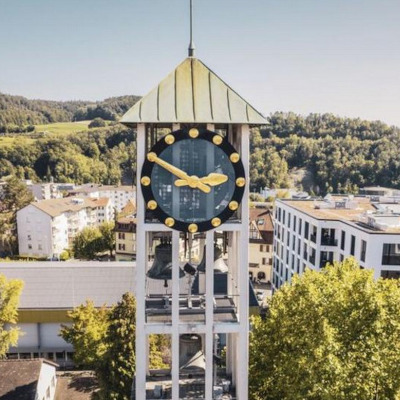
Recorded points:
(55,207)
(192,93)
(19,378)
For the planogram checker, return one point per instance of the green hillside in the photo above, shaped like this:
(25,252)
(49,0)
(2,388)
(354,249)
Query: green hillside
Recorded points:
(19,114)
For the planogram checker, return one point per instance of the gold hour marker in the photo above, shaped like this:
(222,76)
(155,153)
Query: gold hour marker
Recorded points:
(170,222)
(151,156)
(152,205)
(145,181)
(215,222)
(240,182)
(233,205)
(193,228)
(217,139)
(169,139)
(234,157)
(193,133)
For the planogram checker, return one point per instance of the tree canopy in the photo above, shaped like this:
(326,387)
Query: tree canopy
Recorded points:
(10,291)
(329,335)
(93,240)
(104,340)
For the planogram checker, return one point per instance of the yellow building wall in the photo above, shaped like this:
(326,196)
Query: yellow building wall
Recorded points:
(256,256)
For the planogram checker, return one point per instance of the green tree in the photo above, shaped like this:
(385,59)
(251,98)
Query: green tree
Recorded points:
(97,123)
(10,291)
(15,196)
(107,236)
(118,366)
(87,243)
(87,334)
(329,335)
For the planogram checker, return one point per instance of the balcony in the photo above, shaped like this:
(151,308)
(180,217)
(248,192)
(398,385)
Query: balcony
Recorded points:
(328,241)
(313,237)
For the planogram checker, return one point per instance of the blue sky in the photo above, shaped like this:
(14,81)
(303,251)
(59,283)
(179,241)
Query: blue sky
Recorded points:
(339,56)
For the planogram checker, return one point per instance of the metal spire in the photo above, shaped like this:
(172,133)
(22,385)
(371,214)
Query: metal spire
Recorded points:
(192,47)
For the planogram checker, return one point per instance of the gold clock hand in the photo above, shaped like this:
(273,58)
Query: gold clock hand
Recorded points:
(193,181)
(212,179)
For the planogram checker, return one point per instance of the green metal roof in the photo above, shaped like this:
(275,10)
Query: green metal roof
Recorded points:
(192,93)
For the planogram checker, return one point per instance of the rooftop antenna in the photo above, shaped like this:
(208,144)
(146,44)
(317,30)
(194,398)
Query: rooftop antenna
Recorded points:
(192,47)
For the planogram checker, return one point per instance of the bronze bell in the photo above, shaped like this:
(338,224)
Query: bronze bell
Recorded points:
(191,356)
(162,265)
(219,263)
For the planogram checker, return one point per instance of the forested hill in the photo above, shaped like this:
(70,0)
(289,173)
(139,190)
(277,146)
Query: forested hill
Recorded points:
(19,114)
(320,152)
(334,154)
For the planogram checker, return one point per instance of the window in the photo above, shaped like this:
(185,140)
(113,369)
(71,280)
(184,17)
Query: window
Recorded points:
(363,250)
(306,229)
(305,251)
(284,217)
(325,257)
(261,248)
(293,242)
(288,219)
(343,240)
(391,254)
(29,246)
(390,274)
(264,261)
(341,257)
(352,245)
(300,223)
(298,246)
(294,223)
(29,237)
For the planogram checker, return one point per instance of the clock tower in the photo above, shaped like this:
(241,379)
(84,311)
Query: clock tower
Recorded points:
(192,280)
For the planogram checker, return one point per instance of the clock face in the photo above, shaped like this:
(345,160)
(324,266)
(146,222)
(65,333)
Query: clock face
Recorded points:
(193,180)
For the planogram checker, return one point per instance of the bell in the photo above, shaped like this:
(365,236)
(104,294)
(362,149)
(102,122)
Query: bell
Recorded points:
(219,263)
(191,356)
(162,265)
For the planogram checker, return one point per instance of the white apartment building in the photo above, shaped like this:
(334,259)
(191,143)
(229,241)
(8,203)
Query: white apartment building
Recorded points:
(310,233)
(118,195)
(46,228)
(48,190)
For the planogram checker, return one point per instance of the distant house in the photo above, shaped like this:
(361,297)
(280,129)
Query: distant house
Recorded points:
(27,379)
(46,228)
(118,195)
(125,239)
(261,244)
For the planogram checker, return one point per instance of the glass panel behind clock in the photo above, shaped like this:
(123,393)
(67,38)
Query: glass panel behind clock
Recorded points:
(195,157)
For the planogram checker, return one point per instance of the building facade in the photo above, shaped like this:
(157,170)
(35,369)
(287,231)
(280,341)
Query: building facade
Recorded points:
(311,233)
(50,291)
(261,245)
(119,196)
(125,239)
(46,228)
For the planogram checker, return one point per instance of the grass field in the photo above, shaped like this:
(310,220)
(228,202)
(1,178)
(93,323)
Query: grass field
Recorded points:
(11,140)
(62,128)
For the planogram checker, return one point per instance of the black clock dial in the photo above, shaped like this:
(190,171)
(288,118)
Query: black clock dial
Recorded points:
(193,180)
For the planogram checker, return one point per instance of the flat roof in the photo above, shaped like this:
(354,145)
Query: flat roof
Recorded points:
(348,215)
